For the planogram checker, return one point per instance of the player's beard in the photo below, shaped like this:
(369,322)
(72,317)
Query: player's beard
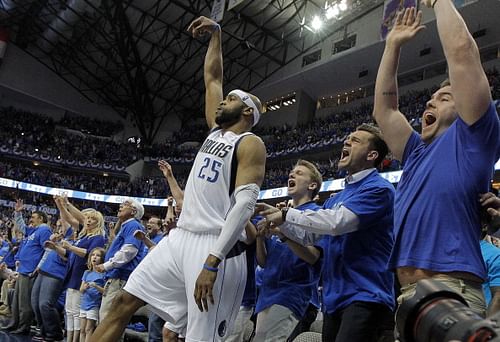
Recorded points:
(228,117)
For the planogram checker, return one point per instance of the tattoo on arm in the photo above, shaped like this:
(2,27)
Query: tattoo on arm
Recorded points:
(389,93)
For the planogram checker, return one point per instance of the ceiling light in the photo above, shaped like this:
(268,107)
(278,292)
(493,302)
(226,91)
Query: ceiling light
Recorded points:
(343,5)
(332,12)
(316,23)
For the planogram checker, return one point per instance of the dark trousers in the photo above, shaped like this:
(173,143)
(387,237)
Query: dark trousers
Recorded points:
(22,314)
(358,322)
(44,295)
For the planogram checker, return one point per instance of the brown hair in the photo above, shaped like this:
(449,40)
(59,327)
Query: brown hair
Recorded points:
(377,142)
(315,174)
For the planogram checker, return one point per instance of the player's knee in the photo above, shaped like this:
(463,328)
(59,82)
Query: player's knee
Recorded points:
(126,302)
(168,335)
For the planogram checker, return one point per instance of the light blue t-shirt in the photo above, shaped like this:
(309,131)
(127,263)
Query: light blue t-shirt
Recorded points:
(436,213)
(491,257)
(355,264)
(92,298)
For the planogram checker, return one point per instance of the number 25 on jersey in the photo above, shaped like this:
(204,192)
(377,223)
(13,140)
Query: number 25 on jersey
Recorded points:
(210,170)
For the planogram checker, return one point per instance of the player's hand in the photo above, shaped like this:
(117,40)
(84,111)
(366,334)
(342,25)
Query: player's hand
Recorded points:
(406,26)
(203,289)
(202,25)
(491,202)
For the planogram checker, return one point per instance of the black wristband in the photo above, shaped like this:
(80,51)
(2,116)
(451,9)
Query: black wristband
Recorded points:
(284,211)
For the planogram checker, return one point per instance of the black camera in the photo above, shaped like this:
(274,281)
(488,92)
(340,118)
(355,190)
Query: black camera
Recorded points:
(437,314)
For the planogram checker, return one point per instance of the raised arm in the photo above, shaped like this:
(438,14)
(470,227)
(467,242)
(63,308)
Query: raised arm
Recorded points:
(394,126)
(213,65)
(74,211)
(64,213)
(18,216)
(175,189)
(469,84)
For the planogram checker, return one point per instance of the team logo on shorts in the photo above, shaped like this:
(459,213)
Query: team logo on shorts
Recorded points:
(222,329)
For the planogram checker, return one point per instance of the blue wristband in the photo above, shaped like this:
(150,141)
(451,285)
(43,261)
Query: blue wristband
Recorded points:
(210,268)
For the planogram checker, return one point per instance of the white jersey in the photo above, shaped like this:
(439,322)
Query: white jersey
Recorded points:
(209,188)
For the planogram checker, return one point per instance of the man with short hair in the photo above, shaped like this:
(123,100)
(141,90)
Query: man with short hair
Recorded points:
(124,254)
(446,167)
(358,290)
(290,271)
(195,278)
(37,232)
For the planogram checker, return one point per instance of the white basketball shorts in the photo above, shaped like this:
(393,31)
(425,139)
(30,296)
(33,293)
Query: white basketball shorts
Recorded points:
(166,279)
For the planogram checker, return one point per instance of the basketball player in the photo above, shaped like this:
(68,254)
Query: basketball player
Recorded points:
(195,278)
(446,167)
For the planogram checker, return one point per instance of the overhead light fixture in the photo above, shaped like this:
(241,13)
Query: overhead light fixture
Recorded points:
(343,5)
(316,23)
(332,12)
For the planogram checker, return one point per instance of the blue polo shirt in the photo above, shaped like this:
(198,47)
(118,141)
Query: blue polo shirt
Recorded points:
(126,237)
(491,257)
(436,212)
(54,265)
(31,252)
(287,280)
(355,264)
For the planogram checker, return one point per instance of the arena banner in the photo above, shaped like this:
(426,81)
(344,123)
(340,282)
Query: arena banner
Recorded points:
(327,186)
(391,8)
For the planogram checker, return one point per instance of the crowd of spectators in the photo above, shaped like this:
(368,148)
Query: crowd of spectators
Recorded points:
(29,132)
(21,130)
(90,126)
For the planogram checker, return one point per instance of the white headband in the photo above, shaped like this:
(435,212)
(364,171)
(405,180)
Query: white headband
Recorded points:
(248,101)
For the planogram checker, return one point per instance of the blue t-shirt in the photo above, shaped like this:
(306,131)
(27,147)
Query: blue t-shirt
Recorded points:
(91,298)
(436,211)
(157,238)
(355,264)
(287,280)
(54,265)
(491,257)
(77,265)
(31,253)
(126,237)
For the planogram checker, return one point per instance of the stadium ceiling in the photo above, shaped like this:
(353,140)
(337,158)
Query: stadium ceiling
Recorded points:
(137,57)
